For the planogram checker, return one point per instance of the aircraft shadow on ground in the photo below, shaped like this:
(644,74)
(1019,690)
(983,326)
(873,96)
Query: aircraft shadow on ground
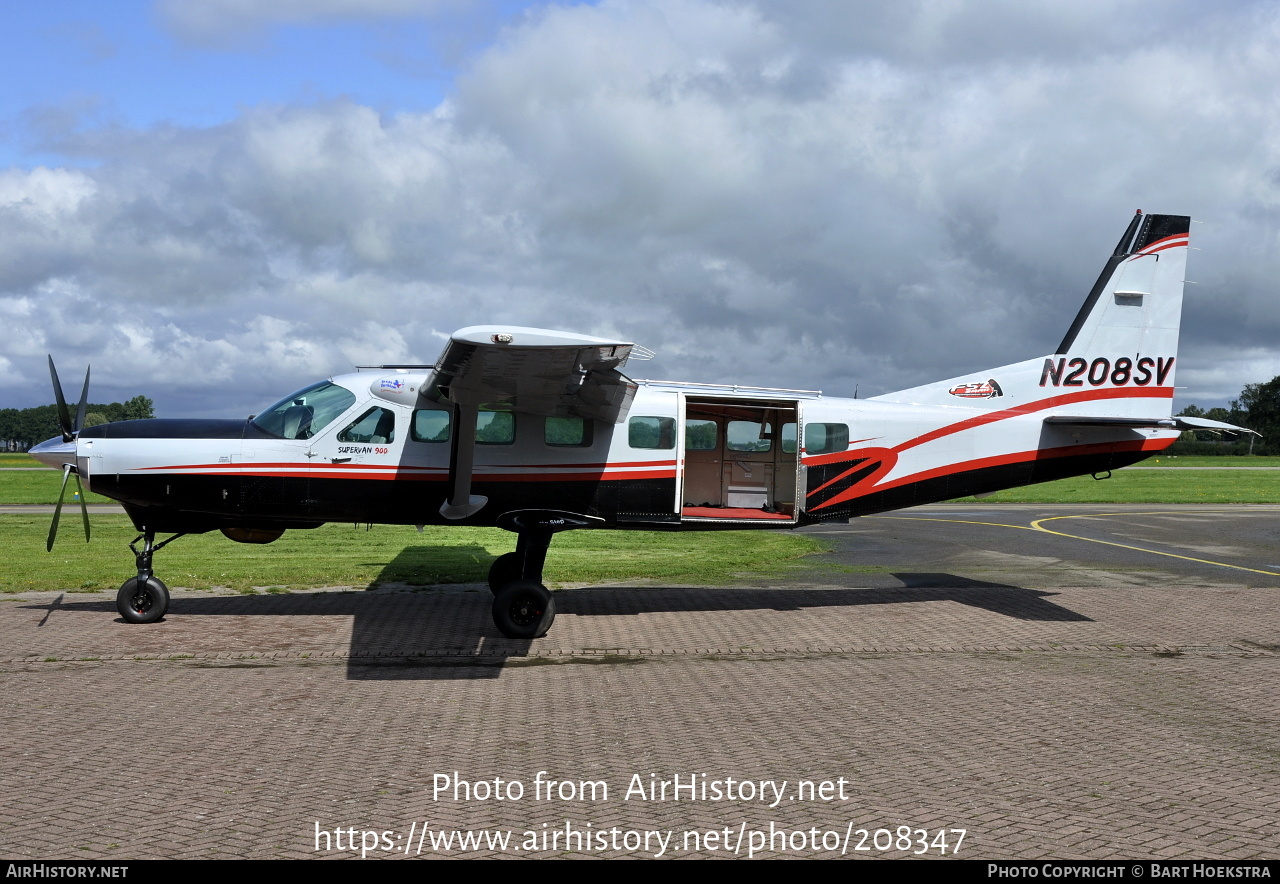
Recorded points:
(448,634)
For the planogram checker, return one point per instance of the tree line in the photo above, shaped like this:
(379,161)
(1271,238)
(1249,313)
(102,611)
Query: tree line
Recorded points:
(23,427)
(1258,408)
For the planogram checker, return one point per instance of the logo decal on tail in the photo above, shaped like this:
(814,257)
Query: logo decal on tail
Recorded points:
(987,389)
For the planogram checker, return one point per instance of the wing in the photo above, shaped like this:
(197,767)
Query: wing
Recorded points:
(529,370)
(535,371)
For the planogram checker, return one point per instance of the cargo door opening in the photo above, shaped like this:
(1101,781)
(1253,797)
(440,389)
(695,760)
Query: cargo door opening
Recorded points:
(740,461)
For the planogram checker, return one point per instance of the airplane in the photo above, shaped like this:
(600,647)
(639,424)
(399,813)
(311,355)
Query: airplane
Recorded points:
(538,431)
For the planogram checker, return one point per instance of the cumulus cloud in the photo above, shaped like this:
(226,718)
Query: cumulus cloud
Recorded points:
(812,194)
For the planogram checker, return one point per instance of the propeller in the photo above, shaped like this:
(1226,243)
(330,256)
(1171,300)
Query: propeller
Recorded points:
(70,432)
(67,471)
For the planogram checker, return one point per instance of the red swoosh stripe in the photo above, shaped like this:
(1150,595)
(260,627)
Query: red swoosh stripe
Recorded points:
(998,461)
(1040,405)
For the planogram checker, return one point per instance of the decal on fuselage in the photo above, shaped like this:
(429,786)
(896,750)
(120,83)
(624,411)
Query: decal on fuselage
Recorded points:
(360,449)
(1076,372)
(987,389)
(391,385)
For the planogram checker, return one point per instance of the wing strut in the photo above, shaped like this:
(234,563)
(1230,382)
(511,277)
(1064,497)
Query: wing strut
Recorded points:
(462,502)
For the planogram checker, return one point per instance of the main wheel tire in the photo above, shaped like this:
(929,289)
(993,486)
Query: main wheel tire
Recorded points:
(142,601)
(505,569)
(523,609)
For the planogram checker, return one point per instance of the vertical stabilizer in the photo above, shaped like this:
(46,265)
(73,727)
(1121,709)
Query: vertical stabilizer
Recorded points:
(1119,353)
(1137,301)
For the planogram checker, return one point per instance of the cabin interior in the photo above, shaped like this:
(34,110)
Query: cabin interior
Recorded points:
(741,459)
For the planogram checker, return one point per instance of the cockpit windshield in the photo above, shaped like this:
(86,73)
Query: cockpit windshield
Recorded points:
(302,414)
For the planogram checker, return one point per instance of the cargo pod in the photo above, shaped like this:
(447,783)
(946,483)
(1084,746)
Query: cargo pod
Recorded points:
(741,461)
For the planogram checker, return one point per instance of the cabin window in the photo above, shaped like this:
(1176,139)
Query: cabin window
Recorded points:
(302,414)
(825,438)
(789,438)
(567,432)
(377,425)
(700,435)
(747,436)
(431,425)
(651,432)
(495,428)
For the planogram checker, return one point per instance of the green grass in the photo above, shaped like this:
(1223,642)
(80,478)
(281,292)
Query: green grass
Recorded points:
(10,459)
(1200,461)
(1153,486)
(339,555)
(40,486)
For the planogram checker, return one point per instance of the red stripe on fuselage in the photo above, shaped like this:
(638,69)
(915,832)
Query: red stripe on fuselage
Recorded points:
(373,473)
(1027,456)
(870,484)
(998,461)
(993,416)
(1039,405)
(255,467)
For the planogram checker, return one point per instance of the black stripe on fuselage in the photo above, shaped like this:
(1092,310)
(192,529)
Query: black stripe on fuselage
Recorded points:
(166,500)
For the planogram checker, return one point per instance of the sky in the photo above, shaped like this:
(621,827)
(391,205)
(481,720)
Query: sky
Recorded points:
(214,202)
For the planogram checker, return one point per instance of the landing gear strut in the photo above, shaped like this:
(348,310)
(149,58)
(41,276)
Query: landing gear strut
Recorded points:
(522,607)
(145,598)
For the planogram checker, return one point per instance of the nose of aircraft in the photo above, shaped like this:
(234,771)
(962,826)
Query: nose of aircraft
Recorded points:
(54,452)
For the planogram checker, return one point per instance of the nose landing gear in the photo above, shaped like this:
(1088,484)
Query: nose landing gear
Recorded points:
(145,598)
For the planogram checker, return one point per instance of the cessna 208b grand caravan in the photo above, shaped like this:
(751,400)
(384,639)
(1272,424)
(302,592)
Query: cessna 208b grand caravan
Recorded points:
(538,432)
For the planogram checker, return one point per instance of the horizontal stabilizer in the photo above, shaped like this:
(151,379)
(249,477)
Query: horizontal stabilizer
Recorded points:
(1139,423)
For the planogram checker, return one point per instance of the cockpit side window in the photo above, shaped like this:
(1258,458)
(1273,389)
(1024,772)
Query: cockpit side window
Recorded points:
(302,414)
(377,425)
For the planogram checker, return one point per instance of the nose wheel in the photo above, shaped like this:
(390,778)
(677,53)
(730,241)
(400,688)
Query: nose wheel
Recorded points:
(145,598)
(142,600)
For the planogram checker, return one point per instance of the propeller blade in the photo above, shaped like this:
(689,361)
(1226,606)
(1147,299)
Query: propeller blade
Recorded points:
(57,510)
(64,418)
(84,403)
(84,509)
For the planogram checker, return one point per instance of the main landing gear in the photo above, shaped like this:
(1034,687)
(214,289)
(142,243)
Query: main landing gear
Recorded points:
(522,607)
(145,598)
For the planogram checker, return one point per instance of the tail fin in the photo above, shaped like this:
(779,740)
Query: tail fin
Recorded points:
(1146,272)
(1118,354)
